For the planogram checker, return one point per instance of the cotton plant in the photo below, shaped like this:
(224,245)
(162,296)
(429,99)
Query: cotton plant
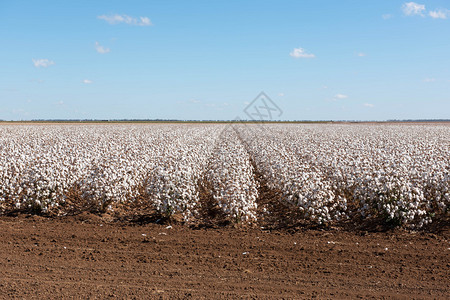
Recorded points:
(173,184)
(332,172)
(329,172)
(232,178)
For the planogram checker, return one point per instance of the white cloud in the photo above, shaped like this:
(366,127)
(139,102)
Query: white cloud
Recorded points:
(429,80)
(300,53)
(194,101)
(43,62)
(387,16)
(87,81)
(100,49)
(368,105)
(439,14)
(360,54)
(281,94)
(59,103)
(341,96)
(145,21)
(413,8)
(116,19)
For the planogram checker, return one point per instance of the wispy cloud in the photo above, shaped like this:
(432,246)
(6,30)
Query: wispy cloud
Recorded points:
(387,16)
(301,53)
(100,49)
(43,62)
(413,8)
(117,19)
(369,105)
(87,81)
(361,54)
(439,14)
(429,80)
(340,96)
(281,94)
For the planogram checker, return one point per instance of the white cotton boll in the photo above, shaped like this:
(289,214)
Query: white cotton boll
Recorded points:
(315,162)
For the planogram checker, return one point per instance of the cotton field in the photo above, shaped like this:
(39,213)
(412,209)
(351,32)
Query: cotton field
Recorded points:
(330,173)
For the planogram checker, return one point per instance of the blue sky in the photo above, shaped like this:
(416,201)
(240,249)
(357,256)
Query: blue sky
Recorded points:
(318,60)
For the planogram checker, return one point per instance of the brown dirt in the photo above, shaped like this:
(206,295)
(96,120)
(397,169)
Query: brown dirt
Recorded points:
(87,257)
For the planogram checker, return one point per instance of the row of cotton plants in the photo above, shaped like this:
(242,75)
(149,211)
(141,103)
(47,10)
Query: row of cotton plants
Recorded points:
(173,185)
(331,172)
(43,168)
(297,178)
(232,178)
(397,173)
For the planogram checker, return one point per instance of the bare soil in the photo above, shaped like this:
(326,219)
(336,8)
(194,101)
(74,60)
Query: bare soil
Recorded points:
(87,256)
